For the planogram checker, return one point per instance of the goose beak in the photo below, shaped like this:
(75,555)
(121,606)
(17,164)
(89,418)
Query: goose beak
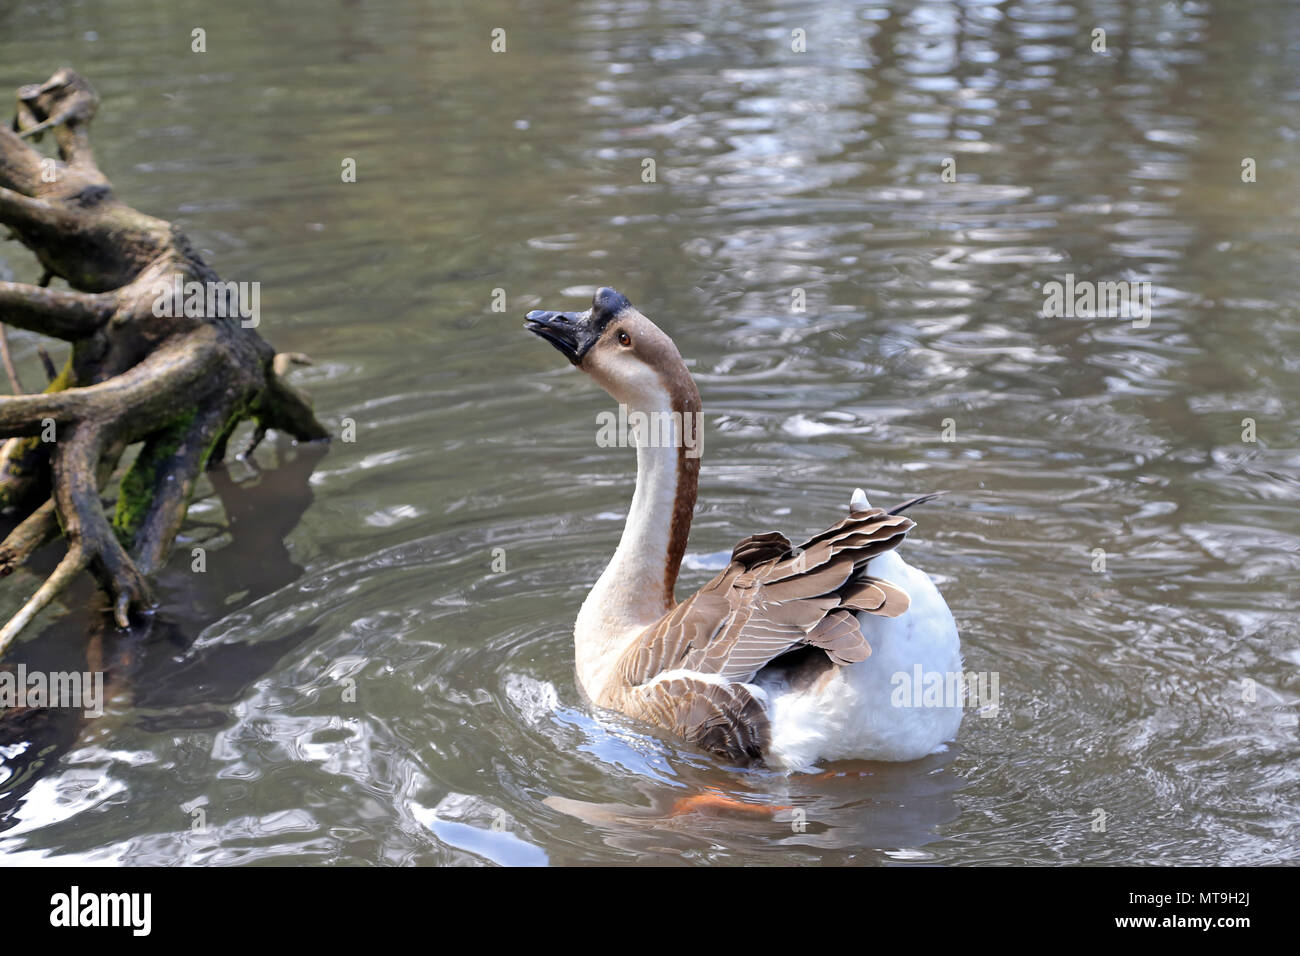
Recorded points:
(570,332)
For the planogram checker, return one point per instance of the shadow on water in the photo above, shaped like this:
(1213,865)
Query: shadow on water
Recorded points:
(145,669)
(887,811)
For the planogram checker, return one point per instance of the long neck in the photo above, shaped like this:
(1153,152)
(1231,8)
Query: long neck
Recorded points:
(636,588)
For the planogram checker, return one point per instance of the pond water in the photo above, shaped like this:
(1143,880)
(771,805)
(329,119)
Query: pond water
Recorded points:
(377,667)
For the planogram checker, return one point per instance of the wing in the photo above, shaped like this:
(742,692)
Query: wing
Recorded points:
(772,598)
(724,719)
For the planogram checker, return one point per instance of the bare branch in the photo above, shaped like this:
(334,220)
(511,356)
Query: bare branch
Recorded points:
(139,400)
(66,103)
(50,373)
(25,213)
(284,361)
(24,473)
(73,563)
(24,415)
(146,396)
(283,407)
(33,532)
(7,357)
(91,461)
(20,164)
(53,312)
(76,495)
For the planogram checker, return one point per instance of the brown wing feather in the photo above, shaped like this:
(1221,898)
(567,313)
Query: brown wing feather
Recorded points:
(758,548)
(840,636)
(772,598)
(875,596)
(723,719)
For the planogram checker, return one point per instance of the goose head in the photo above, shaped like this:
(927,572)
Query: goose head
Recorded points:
(625,353)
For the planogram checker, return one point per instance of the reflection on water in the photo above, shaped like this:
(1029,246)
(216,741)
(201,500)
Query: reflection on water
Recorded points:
(355,679)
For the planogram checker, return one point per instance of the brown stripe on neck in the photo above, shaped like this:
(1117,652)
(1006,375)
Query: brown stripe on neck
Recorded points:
(685,399)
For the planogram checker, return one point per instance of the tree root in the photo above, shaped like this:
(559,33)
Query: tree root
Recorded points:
(172,382)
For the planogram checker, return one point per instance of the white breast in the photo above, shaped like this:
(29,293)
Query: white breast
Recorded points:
(857,714)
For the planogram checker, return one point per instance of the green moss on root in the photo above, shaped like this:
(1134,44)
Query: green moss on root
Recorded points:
(136,490)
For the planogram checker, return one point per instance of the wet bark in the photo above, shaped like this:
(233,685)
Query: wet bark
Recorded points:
(175,384)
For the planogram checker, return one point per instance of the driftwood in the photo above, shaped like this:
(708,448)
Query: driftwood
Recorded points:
(144,369)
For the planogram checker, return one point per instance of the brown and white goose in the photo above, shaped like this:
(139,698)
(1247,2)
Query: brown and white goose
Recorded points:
(791,655)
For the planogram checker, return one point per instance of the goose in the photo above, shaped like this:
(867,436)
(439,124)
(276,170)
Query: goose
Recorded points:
(791,656)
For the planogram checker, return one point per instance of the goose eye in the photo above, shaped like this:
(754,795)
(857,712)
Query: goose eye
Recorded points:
(624,339)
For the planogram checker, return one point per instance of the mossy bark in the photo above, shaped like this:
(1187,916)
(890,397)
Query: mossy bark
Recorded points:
(175,384)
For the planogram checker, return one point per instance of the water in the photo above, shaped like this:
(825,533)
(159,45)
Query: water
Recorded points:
(352,682)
